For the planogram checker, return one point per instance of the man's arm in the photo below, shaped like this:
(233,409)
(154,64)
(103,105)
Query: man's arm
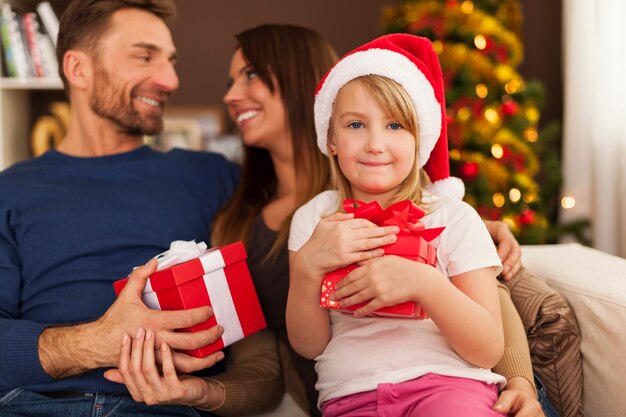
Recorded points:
(71,350)
(519,395)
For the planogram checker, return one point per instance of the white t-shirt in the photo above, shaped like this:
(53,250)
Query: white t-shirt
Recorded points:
(364,352)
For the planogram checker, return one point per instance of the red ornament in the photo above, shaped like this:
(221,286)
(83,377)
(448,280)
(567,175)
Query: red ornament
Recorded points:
(527,217)
(468,171)
(489,213)
(509,108)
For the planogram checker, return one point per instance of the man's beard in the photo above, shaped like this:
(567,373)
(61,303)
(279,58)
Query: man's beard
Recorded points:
(108,103)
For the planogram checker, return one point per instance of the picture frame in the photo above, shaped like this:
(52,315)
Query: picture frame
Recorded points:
(189,127)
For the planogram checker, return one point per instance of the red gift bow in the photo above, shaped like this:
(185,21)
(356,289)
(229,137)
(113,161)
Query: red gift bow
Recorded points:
(405,214)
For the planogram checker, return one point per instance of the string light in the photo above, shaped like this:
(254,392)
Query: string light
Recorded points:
(482,90)
(497,151)
(492,115)
(467,7)
(515,195)
(463,114)
(512,86)
(531,134)
(530,196)
(480,42)
(532,114)
(568,202)
(498,200)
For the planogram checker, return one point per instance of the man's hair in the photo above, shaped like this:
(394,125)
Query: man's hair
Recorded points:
(85,21)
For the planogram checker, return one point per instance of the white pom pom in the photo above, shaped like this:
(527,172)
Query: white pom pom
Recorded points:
(448,187)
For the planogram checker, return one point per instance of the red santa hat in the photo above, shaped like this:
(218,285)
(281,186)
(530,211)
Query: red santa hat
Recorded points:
(411,62)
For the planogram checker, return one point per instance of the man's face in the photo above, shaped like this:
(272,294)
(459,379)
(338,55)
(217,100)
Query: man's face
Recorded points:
(134,73)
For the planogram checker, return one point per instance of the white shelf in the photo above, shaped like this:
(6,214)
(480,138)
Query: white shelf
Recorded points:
(30,83)
(16,112)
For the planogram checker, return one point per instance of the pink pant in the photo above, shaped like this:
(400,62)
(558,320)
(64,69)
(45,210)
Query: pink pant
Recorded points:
(428,396)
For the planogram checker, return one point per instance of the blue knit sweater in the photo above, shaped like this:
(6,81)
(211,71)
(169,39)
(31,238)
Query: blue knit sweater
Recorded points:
(70,226)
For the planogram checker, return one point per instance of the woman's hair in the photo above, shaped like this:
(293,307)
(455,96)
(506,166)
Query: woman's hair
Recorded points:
(85,21)
(295,58)
(394,101)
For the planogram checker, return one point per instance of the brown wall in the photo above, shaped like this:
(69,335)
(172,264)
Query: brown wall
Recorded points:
(204,33)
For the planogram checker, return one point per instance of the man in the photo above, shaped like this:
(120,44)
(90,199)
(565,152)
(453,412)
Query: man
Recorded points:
(80,217)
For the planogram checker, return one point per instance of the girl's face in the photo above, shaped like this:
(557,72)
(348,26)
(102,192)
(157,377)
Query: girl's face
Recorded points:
(375,152)
(259,114)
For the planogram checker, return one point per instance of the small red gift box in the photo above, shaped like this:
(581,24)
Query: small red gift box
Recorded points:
(218,278)
(411,243)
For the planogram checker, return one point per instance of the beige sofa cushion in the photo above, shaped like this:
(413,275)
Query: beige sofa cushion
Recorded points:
(594,284)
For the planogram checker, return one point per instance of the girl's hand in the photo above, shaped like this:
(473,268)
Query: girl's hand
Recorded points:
(340,240)
(385,281)
(139,372)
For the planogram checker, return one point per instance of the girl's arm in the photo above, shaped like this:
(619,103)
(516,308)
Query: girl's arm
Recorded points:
(308,324)
(467,311)
(466,308)
(337,241)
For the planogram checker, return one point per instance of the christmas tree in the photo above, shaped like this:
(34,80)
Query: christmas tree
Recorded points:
(493,114)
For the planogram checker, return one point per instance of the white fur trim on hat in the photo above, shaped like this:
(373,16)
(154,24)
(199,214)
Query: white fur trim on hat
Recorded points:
(448,187)
(388,64)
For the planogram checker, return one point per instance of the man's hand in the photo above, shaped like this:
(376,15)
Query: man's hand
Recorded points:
(508,248)
(71,350)
(519,399)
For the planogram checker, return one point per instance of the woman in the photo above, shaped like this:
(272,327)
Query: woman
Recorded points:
(272,82)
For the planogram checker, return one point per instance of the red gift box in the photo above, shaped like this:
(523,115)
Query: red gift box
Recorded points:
(218,278)
(411,243)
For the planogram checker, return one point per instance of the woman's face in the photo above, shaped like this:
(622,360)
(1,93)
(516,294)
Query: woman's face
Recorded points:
(259,114)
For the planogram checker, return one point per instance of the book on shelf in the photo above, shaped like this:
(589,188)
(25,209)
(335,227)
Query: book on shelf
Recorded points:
(28,54)
(49,19)
(40,46)
(29,49)
(15,38)
(7,49)
(30,29)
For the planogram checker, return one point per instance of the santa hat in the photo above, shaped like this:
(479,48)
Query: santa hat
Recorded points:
(411,62)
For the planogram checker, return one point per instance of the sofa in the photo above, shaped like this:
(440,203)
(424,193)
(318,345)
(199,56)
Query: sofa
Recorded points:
(584,283)
(594,285)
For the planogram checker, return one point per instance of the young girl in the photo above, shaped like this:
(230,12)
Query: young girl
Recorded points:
(380,114)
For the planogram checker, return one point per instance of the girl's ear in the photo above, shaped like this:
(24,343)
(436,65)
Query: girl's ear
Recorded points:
(331,144)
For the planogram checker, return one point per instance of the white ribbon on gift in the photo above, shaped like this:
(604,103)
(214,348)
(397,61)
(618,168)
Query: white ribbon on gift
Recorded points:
(223,306)
(180,251)
(215,281)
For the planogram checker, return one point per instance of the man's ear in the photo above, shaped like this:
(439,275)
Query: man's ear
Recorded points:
(78,69)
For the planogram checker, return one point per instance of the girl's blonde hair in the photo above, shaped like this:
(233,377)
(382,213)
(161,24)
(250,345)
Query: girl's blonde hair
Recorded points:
(394,100)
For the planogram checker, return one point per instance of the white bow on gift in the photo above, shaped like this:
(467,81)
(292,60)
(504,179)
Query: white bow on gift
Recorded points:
(180,251)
